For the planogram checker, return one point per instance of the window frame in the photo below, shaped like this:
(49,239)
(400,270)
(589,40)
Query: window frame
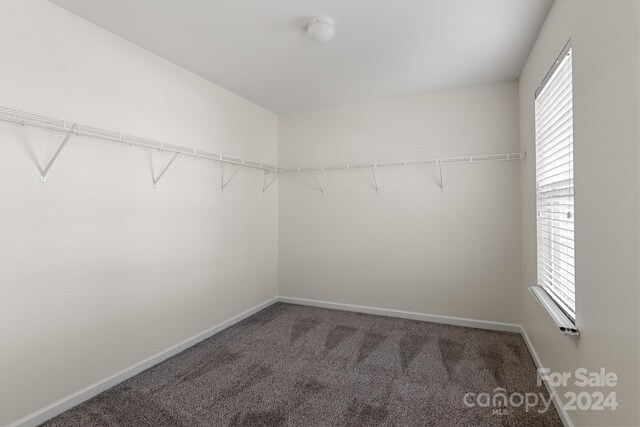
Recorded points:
(557,301)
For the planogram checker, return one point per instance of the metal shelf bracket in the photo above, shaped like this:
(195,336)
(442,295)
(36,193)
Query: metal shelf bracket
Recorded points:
(224,184)
(155,181)
(43,175)
(375,177)
(319,182)
(266,184)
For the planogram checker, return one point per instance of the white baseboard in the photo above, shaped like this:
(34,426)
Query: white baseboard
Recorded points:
(435,318)
(564,416)
(78,397)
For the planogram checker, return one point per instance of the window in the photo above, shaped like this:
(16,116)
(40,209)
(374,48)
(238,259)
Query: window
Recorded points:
(554,185)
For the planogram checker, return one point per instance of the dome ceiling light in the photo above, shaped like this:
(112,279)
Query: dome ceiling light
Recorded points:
(321,29)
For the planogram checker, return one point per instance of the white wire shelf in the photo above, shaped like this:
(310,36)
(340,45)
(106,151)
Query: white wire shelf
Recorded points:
(70,128)
(436,162)
(424,162)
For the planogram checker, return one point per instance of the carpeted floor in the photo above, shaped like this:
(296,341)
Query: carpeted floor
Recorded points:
(299,366)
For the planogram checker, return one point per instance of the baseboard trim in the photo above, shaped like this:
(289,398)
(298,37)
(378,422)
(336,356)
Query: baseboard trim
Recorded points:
(435,318)
(56,408)
(562,413)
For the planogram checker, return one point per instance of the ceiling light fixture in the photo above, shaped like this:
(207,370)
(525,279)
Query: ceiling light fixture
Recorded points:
(321,29)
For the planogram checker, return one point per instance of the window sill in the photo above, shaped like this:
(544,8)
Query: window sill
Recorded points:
(565,325)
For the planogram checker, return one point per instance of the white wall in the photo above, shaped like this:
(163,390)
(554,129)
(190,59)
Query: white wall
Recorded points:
(606,49)
(97,269)
(411,247)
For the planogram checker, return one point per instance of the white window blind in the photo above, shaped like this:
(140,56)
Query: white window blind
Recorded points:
(554,185)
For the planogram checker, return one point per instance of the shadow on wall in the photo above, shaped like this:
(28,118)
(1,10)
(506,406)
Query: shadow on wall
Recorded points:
(27,147)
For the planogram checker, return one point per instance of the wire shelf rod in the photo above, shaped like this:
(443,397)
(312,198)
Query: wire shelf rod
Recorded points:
(425,162)
(34,120)
(49,123)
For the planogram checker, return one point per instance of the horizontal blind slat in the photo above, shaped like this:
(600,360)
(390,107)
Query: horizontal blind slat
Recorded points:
(551,279)
(561,148)
(568,269)
(560,112)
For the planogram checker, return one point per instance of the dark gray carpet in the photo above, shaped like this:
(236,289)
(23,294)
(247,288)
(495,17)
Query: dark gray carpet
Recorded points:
(298,366)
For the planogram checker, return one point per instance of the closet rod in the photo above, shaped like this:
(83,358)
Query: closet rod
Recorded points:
(43,122)
(440,161)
